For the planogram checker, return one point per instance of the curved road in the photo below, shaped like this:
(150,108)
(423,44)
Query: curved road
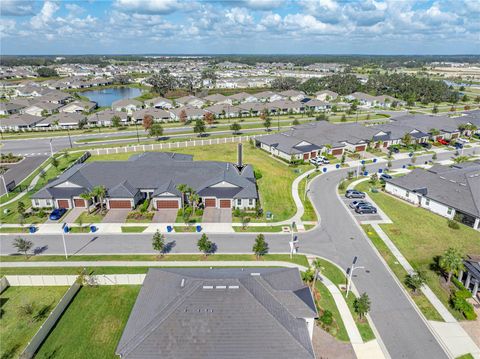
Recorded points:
(338,238)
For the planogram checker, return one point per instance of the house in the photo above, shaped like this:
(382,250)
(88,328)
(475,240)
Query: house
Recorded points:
(57,97)
(293,95)
(79,106)
(18,122)
(62,120)
(268,96)
(288,147)
(326,95)
(243,97)
(387,101)
(192,113)
(10,108)
(316,105)
(470,276)
(42,109)
(153,175)
(452,192)
(218,99)
(104,118)
(220,313)
(285,106)
(157,114)
(126,105)
(364,99)
(223,110)
(252,108)
(159,102)
(190,101)
(445,127)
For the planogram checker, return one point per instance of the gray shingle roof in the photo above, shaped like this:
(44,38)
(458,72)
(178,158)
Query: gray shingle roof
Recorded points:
(219,313)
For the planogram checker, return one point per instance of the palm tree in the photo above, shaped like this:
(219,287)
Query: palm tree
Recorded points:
(87,196)
(100,192)
(193,198)
(183,188)
(451,261)
(317,265)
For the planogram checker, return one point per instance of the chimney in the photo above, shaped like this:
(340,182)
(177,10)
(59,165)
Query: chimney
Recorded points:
(239,156)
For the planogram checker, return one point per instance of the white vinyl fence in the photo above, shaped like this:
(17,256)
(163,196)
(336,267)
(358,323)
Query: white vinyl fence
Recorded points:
(65,280)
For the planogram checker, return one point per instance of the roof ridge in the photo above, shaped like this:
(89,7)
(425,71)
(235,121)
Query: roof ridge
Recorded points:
(159,318)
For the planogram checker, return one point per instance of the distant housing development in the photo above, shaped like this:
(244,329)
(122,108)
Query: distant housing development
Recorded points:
(155,176)
(221,313)
(452,192)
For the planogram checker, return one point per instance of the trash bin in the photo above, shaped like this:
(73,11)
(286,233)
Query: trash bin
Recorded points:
(32,229)
(199,228)
(169,229)
(93,229)
(66,229)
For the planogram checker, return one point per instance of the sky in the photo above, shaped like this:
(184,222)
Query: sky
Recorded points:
(239,27)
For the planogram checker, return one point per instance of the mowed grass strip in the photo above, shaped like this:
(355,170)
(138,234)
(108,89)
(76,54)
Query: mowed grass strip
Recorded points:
(274,186)
(18,327)
(421,236)
(92,324)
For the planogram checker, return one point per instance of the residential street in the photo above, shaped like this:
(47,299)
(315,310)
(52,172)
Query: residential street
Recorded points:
(338,238)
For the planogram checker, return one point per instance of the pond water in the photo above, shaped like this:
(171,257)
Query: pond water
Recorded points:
(105,97)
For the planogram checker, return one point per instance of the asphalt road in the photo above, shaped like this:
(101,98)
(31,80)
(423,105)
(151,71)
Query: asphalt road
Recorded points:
(18,171)
(338,238)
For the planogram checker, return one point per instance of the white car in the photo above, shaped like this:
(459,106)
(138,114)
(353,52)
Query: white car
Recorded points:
(316,161)
(462,140)
(324,160)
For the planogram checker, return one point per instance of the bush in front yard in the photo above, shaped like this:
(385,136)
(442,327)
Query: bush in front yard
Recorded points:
(327,317)
(460,303)
(453,224)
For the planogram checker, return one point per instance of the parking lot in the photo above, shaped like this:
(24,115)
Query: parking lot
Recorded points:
(362,217)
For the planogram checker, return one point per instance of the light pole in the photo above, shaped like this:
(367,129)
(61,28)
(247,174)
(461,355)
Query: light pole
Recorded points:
(64,228)
(306,186)
(51,148)
(4,184)
(136,127)
(350,274)
(69,138)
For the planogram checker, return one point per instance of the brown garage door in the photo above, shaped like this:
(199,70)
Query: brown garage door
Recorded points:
(63,203)
(210,202)
(313,154)
(167,204)
(360,148)
(337,152)
(305,156)
(225,203)
(79,202)
(120,204)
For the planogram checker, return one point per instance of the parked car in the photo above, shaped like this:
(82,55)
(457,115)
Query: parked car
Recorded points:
(316,161)
(458,145)
(351,193)
(393,149)
(366,210)
(426,145)
(356,204)
(385,176)
(443,142)
(324,159)
(57,213)
(462,140)
(477,135)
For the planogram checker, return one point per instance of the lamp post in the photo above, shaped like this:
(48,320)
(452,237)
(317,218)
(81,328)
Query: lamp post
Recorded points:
(4,184)
(136,127)
(51,148)
(350,274)
(306,188)
(64,228)
(69,138)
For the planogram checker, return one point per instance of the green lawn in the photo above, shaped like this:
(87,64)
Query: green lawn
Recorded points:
(309,213)
(14,230)
(182,229)
(86,218)
(135,229)
(258,229)
(422,235)
(92,324)
(274,186)
(17,326)
(84,229)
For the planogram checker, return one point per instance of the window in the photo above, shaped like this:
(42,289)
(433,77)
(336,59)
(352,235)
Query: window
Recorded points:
(449,210)
(49,203)
(250,202)
(407,194)
(427,201)
(239,202)
(37,203)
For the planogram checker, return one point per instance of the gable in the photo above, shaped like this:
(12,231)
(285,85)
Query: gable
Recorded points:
(303,143)
(223,184)
(67,184)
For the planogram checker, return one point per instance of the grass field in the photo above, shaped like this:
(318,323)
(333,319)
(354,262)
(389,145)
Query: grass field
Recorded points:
(274,186)
(135,229)
(309,213)
(17,327)
(86,218)
(262,229)
(92,324)
(422,235)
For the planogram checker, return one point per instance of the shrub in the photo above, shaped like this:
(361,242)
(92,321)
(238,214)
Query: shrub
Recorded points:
(453,224)
(459,303)
(327,317)
(341,186)
(144,206)
(258,174)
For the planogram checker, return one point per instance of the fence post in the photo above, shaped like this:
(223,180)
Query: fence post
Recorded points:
(143,148)
(98,151)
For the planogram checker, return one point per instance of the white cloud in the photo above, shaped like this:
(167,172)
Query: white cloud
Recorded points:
(150,7)
(263,4)
(45,16)
(16,7)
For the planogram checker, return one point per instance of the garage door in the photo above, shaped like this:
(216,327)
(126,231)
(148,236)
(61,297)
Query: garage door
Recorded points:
(313,154)
(78,202)
(120,204)
(360,148)
(225,203)
(167,204)
(210,202)
(337,152)
(63,203)
(305,156)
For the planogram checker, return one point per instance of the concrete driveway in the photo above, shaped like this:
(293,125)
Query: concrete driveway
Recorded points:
(73,215)
(165,216)
(116,216)
(217,215)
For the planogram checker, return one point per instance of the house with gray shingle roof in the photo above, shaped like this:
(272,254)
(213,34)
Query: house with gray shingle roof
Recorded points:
(127,105)
(19,122)
(450,191)
(153,175)
(236,313)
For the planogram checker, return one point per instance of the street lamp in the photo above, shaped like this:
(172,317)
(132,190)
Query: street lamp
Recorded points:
(51,148)
(136,127)
(350,274)
(306,186)
(69,138)
(4,184)
(64,230)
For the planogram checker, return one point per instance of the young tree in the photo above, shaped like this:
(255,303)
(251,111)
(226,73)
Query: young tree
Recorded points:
(435,109)
(87,196)
(267,123)
(183,116)
(308,276)
(209,118)
(205,245)
(260,247)
(100,192)
(199,127)
(183,188)
(156,130)
(362,305)
(407,139)
(235,127)
(317,265)
(158,242)
(116,121)
(22,245)
(415,281)
(55,162)
(21,208)
(451,262)
(147,122)
(344,118)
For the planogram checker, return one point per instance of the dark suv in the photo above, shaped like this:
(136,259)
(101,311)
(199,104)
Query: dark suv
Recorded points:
(366,210)
(351,193)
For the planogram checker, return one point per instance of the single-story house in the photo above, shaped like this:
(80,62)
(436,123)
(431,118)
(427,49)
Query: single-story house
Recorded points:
(190,101)
(363,98)
(159,102)
(18,122)
(446,126)
(104,118)
(220,313)
(316,105)
(42,109)
(218,99)
(158,115)
(79,106)
(223,110)
(450,191)
(285,106)
(268,96)
(326,95)
(293,95)
(62,120)
(153,175)
(243,97)
(57,97)
(288,147)
(10,108)
(126,105)
(470,276)
(251,108)
(387,101)
(192,113)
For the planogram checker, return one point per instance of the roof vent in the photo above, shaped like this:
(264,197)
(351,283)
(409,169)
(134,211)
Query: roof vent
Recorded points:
(182,284)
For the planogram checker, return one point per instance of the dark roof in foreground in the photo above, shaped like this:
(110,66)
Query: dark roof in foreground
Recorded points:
(220,313)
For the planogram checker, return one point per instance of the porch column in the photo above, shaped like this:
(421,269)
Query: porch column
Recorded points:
(460,275)
(467,282)
(476,225)
(475,289)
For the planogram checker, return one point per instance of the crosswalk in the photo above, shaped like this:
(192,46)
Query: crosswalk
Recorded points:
(33,154)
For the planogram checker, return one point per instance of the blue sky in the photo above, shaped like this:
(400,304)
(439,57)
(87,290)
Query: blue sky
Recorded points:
(240,26)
